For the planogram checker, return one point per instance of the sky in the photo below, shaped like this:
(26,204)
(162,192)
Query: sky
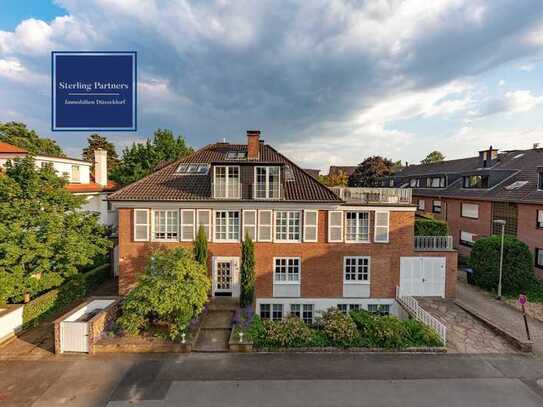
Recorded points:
(327,82)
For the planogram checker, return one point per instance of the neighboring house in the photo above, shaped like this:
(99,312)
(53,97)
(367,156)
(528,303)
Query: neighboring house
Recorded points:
(95,187)
(313,249)
(471,193)
(314,173)
(335,170)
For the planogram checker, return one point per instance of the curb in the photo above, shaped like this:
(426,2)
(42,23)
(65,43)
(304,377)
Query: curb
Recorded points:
(523,345)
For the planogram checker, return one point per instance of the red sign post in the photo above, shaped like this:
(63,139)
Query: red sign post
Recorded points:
(522,300)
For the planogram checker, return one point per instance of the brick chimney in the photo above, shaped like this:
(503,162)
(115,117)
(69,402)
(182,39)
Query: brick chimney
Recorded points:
(100,167)
(253,144)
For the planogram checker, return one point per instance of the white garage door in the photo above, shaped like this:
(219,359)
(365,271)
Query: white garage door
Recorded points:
(422,276)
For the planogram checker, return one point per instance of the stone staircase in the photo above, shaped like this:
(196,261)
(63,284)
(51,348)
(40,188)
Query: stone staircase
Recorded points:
(216,326)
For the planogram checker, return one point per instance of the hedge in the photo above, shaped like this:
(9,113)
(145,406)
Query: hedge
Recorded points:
(430,227)
(55,300)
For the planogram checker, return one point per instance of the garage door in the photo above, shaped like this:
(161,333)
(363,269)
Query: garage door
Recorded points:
(422,276)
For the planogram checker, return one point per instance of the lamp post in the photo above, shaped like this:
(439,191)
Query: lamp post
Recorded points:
(502,223)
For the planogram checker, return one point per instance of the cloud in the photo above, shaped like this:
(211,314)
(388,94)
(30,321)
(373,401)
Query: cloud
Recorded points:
(331,72)
(511,102)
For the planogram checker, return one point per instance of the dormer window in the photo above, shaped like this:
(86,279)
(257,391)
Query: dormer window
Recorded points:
(226,183)
(435,182)
(414,182)
(475,181)
(289,175)
(267,183)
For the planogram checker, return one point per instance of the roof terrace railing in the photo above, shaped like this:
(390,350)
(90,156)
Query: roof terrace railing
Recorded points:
(374,195)
(433,243)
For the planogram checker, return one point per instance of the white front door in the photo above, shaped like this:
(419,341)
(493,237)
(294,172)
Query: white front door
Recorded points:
(226,276)
(422,276)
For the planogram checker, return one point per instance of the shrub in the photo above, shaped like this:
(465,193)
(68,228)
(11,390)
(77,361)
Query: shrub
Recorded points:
(247,272)
(173,289)
(517,276)
(430,227)
(338,327)
(419,334)
(289,332)
(55,300)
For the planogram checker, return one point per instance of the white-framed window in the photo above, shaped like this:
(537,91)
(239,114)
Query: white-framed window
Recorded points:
(76,174)
(188,224)
(249,223)
(335,226)
(296,310)
(470,210)
(265,225)
(357,226)
(267,183)
(165,224)
(311,220)
(422,204)
(307,313)
(414,182)
(288,226)
(382,220)
(436,206)
(435,182)
(379,309)
(348,307)
(204,220)
(466,238)
(141,225)
(227,226)
(277,312)
(539,222)
(356,270)
(265,311)
(539,258)
(226,182)
(286,270)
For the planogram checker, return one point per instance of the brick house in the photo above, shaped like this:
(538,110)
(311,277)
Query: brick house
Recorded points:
(471,193)
(313,249)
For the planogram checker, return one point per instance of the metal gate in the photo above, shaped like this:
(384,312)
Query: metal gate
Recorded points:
(74,336)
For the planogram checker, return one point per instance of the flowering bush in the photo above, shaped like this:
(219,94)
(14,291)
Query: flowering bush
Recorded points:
(338,327)
(289,332)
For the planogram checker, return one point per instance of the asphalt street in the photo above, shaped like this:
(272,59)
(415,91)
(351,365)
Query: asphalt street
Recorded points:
(275,379)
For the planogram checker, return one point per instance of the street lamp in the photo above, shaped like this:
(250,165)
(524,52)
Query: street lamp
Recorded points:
(502,223)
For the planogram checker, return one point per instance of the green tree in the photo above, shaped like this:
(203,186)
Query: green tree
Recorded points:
(19,135)
(96,141)
(339,180)
(433,157)
(141,159)
(247,271)
(173,289)
(44,238)
(200,247)
(518,274)
(370,171)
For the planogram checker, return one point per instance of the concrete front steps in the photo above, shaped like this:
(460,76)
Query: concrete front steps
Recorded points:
(216,326)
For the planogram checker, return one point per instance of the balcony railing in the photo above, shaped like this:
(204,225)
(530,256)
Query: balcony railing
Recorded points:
(221,190)
(433,243)
(374,195)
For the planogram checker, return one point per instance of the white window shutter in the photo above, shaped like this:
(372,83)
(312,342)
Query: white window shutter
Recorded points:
(204,219)
(382,220)
(187,224)
(311,221)
(141,225)
(335,226)
(249,224)
(265,222)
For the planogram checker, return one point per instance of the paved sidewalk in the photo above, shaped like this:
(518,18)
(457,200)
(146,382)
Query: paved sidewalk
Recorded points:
(503,314)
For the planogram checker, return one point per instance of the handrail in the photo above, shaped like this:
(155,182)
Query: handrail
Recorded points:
(433,243)
(412,306)
(374,195)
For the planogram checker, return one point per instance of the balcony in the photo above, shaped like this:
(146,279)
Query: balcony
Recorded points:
(433,243)
(374,195)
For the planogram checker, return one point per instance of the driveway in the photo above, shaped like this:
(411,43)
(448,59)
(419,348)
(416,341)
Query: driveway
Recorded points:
(465,334)
(293,379)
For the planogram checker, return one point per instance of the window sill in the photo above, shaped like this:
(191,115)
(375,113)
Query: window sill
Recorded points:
(358,241)
(287,241)
(165,240)
(356,282)
(226,241)
(468,217)
(286,282)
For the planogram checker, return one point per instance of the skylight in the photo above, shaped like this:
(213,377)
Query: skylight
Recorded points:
(289,175)
(518,156)
(236,155)
(192,169)
(516,185)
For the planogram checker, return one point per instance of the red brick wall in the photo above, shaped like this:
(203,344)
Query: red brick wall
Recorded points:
(527,229)
(322,262)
